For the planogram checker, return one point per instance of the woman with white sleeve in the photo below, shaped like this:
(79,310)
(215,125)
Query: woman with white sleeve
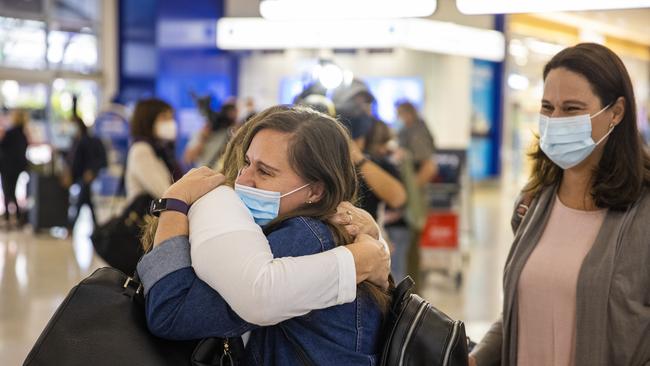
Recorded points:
(180,306)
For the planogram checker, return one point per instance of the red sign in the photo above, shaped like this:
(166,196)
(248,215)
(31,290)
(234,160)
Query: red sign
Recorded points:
(440,231)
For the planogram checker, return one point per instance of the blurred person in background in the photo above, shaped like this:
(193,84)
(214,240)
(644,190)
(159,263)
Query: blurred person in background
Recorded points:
(208,144)
(415,137)
(382,147)
(251,111)
(376,183)
(151,165)
(577,276)
(13,161)
(87,158)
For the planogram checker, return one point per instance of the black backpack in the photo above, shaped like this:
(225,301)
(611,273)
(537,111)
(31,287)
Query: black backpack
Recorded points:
(419,334)
(415,334)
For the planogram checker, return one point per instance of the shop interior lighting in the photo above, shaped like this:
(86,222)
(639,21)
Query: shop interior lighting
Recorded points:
(417,34)
(348,9)
(518,82)
(58,84)
(10,90)
(330,75)
(543,48)
(472,7)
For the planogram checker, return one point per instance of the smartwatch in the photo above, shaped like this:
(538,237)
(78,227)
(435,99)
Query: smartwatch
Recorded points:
(168,204)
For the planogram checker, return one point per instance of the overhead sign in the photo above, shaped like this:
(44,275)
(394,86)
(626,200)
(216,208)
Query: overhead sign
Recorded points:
(186,33)
(348,9)
(417,34)
(540,6)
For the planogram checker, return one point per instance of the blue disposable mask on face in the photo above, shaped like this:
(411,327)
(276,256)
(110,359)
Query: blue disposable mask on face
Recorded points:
(263,205)
(567,140)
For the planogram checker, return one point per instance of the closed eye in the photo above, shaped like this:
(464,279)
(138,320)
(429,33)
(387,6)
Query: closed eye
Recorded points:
(263,172)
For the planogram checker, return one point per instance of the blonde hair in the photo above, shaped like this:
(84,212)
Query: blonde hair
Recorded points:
(20,117)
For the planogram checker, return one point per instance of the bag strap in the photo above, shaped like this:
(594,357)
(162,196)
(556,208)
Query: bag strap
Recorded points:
(399,293)
(522,206)
(304,358)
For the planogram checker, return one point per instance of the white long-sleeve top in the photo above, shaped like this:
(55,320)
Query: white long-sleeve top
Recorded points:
(145,172)
(231,254)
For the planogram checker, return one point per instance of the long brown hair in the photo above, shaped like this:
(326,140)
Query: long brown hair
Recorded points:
(144,116)
(318,152)
(624,169)
(377,137)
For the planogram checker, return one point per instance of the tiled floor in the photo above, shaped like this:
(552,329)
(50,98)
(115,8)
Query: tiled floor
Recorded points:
(37,271)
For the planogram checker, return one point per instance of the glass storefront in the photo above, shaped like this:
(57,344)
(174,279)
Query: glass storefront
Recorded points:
(50,52)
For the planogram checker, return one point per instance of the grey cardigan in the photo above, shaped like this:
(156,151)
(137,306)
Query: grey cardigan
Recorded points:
(613,294)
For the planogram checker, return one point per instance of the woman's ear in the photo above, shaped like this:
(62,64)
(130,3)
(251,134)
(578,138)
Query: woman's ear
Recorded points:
(618,110)
(316,192)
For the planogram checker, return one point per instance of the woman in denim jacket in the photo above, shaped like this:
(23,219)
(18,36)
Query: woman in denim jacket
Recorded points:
(304,155)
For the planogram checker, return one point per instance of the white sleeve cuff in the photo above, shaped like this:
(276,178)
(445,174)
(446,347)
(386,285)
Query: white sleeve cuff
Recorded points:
(347,275)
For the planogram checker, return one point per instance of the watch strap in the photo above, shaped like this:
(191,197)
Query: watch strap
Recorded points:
(168,204)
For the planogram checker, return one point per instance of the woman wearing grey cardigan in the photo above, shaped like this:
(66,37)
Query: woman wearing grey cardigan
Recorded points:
(577,279)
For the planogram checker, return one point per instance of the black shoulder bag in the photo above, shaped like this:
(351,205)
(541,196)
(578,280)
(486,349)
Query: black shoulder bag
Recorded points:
(102,322)
(118,240)
(416,334)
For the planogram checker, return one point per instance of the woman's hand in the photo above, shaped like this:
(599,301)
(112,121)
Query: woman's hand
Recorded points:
(194,185)
(355,220)
(188,189)
(371,259)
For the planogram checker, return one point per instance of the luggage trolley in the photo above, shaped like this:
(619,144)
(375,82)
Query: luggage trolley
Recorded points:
(448,200)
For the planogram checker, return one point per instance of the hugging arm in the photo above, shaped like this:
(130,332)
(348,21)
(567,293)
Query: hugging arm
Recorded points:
(178,304)
(176,300)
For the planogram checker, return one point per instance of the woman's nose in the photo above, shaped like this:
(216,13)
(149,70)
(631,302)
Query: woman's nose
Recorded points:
(245,177)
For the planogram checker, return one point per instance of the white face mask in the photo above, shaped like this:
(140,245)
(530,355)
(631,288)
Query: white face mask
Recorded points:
(165,130)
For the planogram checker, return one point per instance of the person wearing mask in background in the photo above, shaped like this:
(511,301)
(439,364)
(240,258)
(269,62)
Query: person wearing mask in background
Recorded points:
(151,166)
(415,137)
(381,148)
(577,278)
(376,183)
(208,144)
(13,161)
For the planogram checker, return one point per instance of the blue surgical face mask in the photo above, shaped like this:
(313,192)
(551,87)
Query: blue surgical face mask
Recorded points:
(263,205)
(567,140)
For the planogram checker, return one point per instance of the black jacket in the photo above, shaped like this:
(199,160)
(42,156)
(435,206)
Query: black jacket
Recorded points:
(13,148)
(88,153)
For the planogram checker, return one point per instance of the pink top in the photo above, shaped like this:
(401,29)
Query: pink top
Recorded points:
(547,287)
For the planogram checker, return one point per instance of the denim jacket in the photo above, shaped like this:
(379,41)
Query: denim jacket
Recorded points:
(181,306)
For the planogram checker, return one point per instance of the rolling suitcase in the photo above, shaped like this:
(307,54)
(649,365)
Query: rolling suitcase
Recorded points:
(49,202)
